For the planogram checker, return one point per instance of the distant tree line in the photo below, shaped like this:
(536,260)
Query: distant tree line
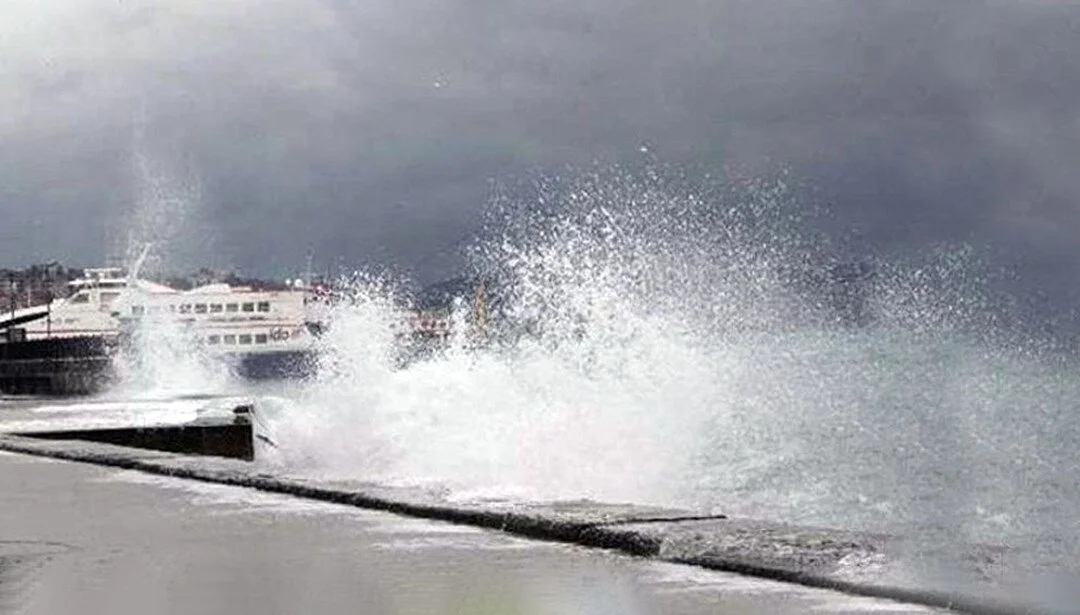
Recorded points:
(35,284)
(206,276)
(41,283)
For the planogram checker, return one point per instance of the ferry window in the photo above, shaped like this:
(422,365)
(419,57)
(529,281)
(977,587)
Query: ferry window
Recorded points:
(245,339)
(264,306)
(138,310)
(185,308)
(260,338)
(232,307)
(213,340)
(107,298)
(230,339)
(81,298)
(215,308)
(200,308)
(249,307)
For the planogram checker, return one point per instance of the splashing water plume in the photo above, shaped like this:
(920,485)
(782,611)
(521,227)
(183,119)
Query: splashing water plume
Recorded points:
(166,212)
(611,292)
(162,358)
(656,339)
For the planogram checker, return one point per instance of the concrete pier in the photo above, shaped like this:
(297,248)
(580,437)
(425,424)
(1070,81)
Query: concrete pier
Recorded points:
(79,538)
(853,563)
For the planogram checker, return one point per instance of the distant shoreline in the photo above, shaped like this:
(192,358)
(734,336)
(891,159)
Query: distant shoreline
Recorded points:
(40,283)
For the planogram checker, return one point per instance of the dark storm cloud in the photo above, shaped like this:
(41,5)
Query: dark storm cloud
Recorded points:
(371,130)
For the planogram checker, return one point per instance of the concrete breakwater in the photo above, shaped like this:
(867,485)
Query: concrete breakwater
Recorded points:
(852,562)
(229,441)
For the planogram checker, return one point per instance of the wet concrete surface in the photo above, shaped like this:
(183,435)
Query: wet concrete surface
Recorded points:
(856,563)
(79,538)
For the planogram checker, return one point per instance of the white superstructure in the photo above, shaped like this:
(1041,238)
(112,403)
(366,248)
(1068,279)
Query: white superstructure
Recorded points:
(220,317)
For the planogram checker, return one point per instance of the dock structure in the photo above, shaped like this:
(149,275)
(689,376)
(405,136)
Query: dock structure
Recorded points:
(56,366)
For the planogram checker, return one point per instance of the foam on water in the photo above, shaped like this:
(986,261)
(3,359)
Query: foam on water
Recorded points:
(657,347)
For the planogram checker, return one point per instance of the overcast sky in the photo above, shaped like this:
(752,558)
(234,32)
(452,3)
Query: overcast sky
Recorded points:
(250,131)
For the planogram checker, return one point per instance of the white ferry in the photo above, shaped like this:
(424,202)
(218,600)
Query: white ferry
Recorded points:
(223,320)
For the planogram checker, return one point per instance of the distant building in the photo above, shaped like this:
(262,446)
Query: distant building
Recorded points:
(34,285)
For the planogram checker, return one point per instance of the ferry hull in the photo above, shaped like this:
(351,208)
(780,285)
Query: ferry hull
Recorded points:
(274,365)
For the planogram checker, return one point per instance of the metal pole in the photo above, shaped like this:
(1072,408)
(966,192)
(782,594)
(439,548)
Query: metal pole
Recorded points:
(11,303)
